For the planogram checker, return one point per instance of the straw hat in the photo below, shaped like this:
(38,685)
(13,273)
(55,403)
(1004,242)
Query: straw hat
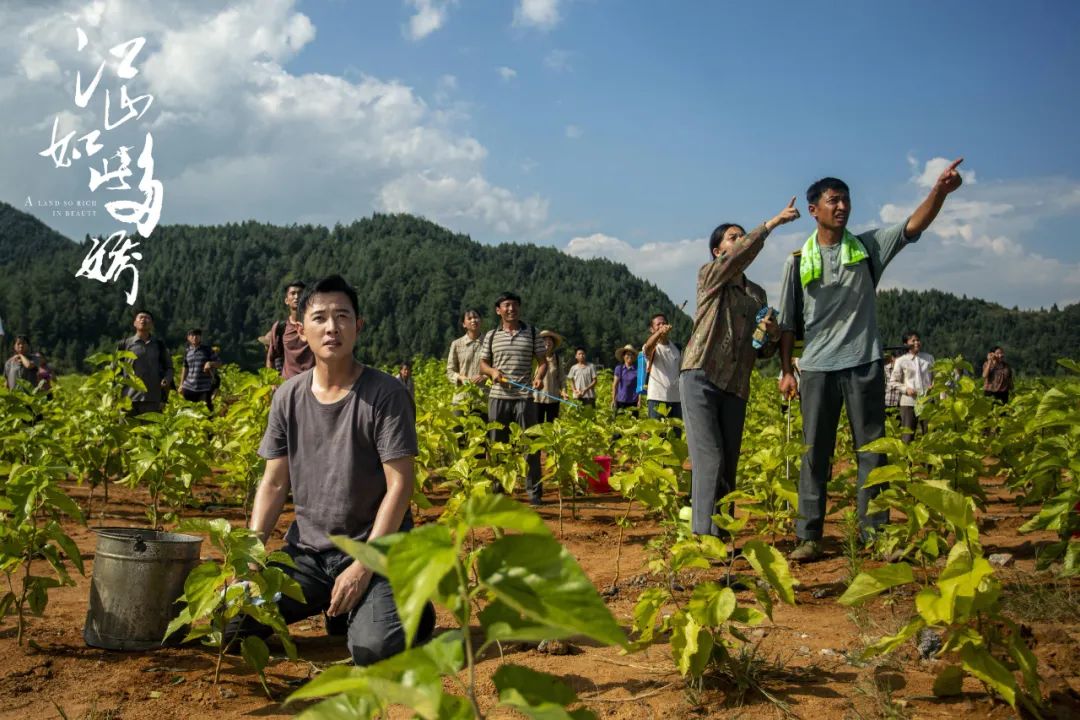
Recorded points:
(623,350)
(554,336)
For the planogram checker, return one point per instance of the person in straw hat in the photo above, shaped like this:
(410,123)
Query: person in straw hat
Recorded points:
(554,379)
(624,393)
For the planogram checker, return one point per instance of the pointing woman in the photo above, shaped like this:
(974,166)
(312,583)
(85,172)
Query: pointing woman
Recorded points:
(715,380)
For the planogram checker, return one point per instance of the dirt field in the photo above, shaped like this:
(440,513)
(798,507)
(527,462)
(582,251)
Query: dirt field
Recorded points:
(809,645)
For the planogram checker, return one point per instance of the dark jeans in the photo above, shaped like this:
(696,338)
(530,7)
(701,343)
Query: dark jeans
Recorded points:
(546,412)
(138,407)
(714,425)
(625,405)
(587,402)
(1002,396)
(373,629)
(674,409)
(861,390)
(522,412)
(197,396)
(909,421)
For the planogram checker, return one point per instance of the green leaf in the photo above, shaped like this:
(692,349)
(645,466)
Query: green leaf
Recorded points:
(71,550)
(342,707)
(773,567)
(536,695)
(691,645)
(500,511)
(536,576)
(874,582)
(891,642)
(415,565)
(202,589)
(367,553)
(956,508)
(1026,661)
(711,605)
(646,611)
(978,662)
(950,681)
(255,653)
(885,474)
(502,623)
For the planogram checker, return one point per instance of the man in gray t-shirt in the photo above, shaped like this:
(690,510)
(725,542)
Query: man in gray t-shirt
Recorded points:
(342,437)
(828,292)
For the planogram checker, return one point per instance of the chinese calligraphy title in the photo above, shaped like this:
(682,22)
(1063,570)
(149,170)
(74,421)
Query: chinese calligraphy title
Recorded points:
(110,257)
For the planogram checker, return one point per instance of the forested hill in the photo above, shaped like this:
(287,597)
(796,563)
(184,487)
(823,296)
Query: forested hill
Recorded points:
(414,278)
(950,326)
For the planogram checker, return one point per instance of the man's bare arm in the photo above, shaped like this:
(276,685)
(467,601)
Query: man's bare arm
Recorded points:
(270,497)
(948,181)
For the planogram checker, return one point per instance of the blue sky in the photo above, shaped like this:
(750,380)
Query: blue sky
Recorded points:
(601,127)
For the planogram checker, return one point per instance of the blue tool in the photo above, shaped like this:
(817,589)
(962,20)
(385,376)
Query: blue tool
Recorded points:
(759,337)
(530,388)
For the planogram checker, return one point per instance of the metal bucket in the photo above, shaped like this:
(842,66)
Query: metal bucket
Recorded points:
(138,575)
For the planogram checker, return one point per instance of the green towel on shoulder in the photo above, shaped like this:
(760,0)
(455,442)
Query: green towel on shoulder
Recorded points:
(852,251)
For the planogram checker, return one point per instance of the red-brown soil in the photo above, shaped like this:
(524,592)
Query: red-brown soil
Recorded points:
(56,675)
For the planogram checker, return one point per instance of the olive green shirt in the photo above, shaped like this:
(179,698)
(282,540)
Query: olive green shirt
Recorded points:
(727,306)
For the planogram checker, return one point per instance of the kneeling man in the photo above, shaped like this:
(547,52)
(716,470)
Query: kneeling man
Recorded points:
(342,437)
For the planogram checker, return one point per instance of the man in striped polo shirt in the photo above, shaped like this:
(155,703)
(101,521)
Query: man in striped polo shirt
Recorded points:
(508,354)
(196,383)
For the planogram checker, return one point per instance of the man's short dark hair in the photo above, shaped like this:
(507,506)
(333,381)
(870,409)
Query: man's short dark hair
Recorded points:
(814,192)
(507,295)
(295,284)
(579,349)
(329,284)
(195,331)
(718,235)
(910,334)
(24,339)
(406,364)
(996,348)
(657,315)
(470,311)
(143,312)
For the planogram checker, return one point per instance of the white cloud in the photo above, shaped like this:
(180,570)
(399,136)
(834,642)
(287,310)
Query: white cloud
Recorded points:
(671,266)
(540,14)
(559,60)
(926,176)
(430,16)
(988,241)
(506,73)
(469,202)
(574,132)
(236,134)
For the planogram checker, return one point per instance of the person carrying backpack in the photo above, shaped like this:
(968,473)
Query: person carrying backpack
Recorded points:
(828,296)
(288,352)
(152,365)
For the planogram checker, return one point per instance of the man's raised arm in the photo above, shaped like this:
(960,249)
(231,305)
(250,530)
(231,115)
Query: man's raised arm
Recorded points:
(948,181)
(270,497)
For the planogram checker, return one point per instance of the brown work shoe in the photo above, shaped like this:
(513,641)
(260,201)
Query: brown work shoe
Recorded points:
(807,551)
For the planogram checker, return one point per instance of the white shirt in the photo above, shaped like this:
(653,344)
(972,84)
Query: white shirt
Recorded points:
(915,372)
(664,376)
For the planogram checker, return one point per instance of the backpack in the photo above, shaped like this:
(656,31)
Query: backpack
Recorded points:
(277,343)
